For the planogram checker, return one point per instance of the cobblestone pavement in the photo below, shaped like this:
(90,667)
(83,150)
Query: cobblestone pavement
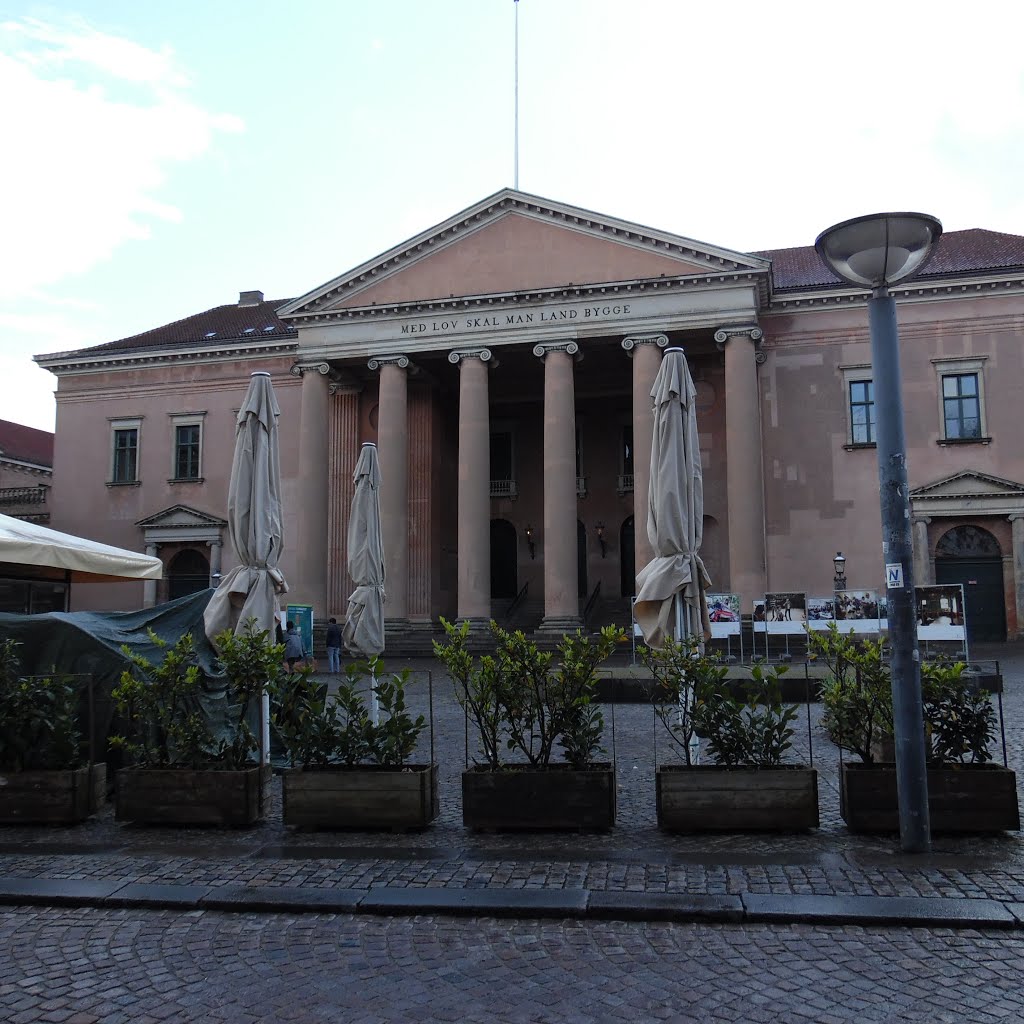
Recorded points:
(87,966)
(633,857)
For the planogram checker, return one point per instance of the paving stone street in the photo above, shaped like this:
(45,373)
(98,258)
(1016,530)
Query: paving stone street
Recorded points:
(109,922)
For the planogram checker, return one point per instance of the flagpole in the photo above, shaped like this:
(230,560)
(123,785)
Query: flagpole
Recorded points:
(515,176)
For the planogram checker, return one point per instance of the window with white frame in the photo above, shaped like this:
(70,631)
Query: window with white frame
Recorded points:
(187,453)
(862,411)
(961,386)
(124,465)
(860,405)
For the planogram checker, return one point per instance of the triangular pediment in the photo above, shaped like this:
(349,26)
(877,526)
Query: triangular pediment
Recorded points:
(512,243)
(181,516)
(968,484)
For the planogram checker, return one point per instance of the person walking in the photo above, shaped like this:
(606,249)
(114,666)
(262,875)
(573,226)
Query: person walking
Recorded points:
(333,646)
(292,646)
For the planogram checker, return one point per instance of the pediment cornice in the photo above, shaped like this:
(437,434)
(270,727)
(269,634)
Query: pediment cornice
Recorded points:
(968,493)
(721,265)
(177,516)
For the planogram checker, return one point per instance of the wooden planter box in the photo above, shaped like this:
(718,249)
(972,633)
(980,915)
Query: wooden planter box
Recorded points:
(712,798)
(52,797)
(363,796)
(965,798)
(558,797)
(186,796)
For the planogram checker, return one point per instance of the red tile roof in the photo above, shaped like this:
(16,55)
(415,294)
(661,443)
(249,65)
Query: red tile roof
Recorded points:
(26,444)
(222,323)
(974,251)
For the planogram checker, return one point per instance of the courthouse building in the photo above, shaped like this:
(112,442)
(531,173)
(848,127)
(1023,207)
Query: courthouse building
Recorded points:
(503,362)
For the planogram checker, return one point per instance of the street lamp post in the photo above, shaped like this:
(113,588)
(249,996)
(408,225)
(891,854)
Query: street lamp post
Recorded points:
(839,579)
(875,252)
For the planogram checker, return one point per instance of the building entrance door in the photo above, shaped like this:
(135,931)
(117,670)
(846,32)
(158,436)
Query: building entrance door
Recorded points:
(971,556)
(627,558)
(188,573)
(504,554)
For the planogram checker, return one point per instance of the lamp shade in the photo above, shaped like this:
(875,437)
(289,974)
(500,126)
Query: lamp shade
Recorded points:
(879,249)
(839,562)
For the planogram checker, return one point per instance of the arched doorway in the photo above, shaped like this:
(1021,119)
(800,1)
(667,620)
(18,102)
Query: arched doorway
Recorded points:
(188,573)
(972,557)
(504,553)
(581,560)
(627,558)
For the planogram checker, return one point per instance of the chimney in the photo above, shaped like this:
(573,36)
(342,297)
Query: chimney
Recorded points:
(250,298)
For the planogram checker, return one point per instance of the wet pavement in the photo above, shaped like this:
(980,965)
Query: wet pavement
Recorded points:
(628,924)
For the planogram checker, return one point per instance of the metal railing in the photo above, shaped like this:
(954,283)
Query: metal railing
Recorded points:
(517,600)
(625,483)
(591,601)
(504,489)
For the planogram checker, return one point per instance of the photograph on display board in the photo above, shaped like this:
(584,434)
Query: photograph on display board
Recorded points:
(758,617)
(820,612)
(785,612)
(724,613)
(857,611)
(940,612)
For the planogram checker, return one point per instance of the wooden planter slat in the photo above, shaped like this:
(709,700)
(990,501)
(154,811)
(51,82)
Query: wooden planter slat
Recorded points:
(558,797)
(52,797)
(964,798)
(363,796)
(185,796)
(710,798)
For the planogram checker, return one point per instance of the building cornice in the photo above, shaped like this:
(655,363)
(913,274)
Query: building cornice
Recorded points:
(100,362)
(916,291)
(498,300)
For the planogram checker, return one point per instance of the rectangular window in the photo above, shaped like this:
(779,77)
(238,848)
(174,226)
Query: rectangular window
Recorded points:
(862,411)
(126,455)
(961,406)
(501,456)
(186,452)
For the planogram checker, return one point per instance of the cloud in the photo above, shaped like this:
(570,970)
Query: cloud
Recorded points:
(99,121)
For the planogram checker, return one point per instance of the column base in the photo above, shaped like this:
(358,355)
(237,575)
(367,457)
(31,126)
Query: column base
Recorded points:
(559,624)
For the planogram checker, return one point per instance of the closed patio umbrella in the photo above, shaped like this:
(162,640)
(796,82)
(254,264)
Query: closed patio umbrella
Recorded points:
(671,596)
(252,588)
(364,621)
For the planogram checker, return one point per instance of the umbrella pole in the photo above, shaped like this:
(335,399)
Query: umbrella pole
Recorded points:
(374,703)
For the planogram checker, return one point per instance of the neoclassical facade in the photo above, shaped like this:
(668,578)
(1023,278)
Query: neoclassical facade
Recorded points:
(503,362)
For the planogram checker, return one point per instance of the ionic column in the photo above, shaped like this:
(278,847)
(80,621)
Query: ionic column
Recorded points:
(1017,541)
(311,514)
(561,598)
(474,528)
(645,351)
(923,573)
(342,451)
(149,586)
(393,449)
(744,458)
(216,551)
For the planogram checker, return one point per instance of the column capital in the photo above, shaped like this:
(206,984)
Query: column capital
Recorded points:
(1015,517)
(396,359)
(485,355)
(569,347)
(751,331)
(921,519)
(321,367)
(661,340)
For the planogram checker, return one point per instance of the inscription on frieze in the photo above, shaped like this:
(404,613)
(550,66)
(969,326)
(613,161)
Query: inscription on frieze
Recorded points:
(491,321)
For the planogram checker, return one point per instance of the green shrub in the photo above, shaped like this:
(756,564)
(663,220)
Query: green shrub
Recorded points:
(528,701)
(38,719)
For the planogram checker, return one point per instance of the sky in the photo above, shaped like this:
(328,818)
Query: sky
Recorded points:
(157,158)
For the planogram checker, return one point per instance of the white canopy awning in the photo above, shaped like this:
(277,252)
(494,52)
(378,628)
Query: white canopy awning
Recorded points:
(30,544)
